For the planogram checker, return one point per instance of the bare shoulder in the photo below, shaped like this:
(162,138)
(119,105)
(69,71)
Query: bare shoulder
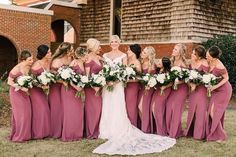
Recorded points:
(73,63)
(56,63)
(205,63)
(220,65)
(36,65)
(15,69)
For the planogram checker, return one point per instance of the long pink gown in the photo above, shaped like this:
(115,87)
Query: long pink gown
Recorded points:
(197,110)
(159,113)
(93,105)
(219,99)
(174,110)
(131,99)
(56,110)
(73,120)
(145,97)
(21,114)
(40,111)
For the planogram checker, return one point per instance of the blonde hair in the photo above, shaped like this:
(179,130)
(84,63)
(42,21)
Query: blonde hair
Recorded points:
(62,49)
(151,54)
(116,38)
(80,52)
(182,52)
(92,45)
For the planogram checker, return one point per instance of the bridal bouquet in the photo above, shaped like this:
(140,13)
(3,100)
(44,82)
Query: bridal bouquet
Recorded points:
(45,79)
(209,80)
(163,80)
(25,81)
(148,81)
(65,74)
(111,74)
(179,74)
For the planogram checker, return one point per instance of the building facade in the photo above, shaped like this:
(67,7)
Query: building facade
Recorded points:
(160,23)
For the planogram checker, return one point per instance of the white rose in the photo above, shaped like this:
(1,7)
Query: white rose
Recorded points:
(206,78)
(84,79)
(152,82)
(176,68)
(161,78)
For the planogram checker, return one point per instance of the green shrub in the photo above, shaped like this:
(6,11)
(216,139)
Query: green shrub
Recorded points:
(227,43)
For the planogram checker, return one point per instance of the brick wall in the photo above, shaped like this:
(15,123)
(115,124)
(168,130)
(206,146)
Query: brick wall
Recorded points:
(25,30)
(71,15)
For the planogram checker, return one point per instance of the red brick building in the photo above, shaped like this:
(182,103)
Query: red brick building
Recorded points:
(26,28)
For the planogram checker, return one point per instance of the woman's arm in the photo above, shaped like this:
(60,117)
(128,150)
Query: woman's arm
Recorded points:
(222,82)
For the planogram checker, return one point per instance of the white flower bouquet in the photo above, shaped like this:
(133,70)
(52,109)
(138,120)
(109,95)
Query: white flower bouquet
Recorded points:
(96,81)
(24,81)
(45,79)
(163,80)
(111,74)
(179,74)
(148,81)
(80,81)
(209,80)
(65,74)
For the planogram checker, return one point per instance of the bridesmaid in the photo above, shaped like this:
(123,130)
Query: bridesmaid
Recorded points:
(93,101)
(145,95)
(73,121)
(20,101)
(60,57)
(221,94)
(40,106)
(159,101)
(132,88)
(198,97)
(176,100)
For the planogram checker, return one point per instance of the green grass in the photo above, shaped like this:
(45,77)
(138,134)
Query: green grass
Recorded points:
(3,86)
(185,147)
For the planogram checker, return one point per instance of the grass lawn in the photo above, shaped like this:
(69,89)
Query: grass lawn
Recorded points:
(184,147)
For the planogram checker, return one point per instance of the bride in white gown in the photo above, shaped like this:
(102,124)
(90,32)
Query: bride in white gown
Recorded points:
(123,137)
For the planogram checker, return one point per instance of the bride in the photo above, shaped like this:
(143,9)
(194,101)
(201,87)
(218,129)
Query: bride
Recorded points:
(123,137)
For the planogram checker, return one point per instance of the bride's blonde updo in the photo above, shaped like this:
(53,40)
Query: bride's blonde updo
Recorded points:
(151,54)
(92,45)
(116,38)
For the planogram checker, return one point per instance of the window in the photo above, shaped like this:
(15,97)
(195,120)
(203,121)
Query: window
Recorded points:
(116,17)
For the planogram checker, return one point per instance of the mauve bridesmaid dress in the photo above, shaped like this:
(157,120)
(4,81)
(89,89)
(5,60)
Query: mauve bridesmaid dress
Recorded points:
(131,98)
(146,96)
(21,114)
(73,120)
(159,111)
(40,111)
(219,99)
(174,110)
(93,105)
(197,110)
(56,109)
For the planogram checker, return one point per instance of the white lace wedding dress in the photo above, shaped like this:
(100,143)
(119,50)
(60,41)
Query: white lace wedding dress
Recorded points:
(123,137)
